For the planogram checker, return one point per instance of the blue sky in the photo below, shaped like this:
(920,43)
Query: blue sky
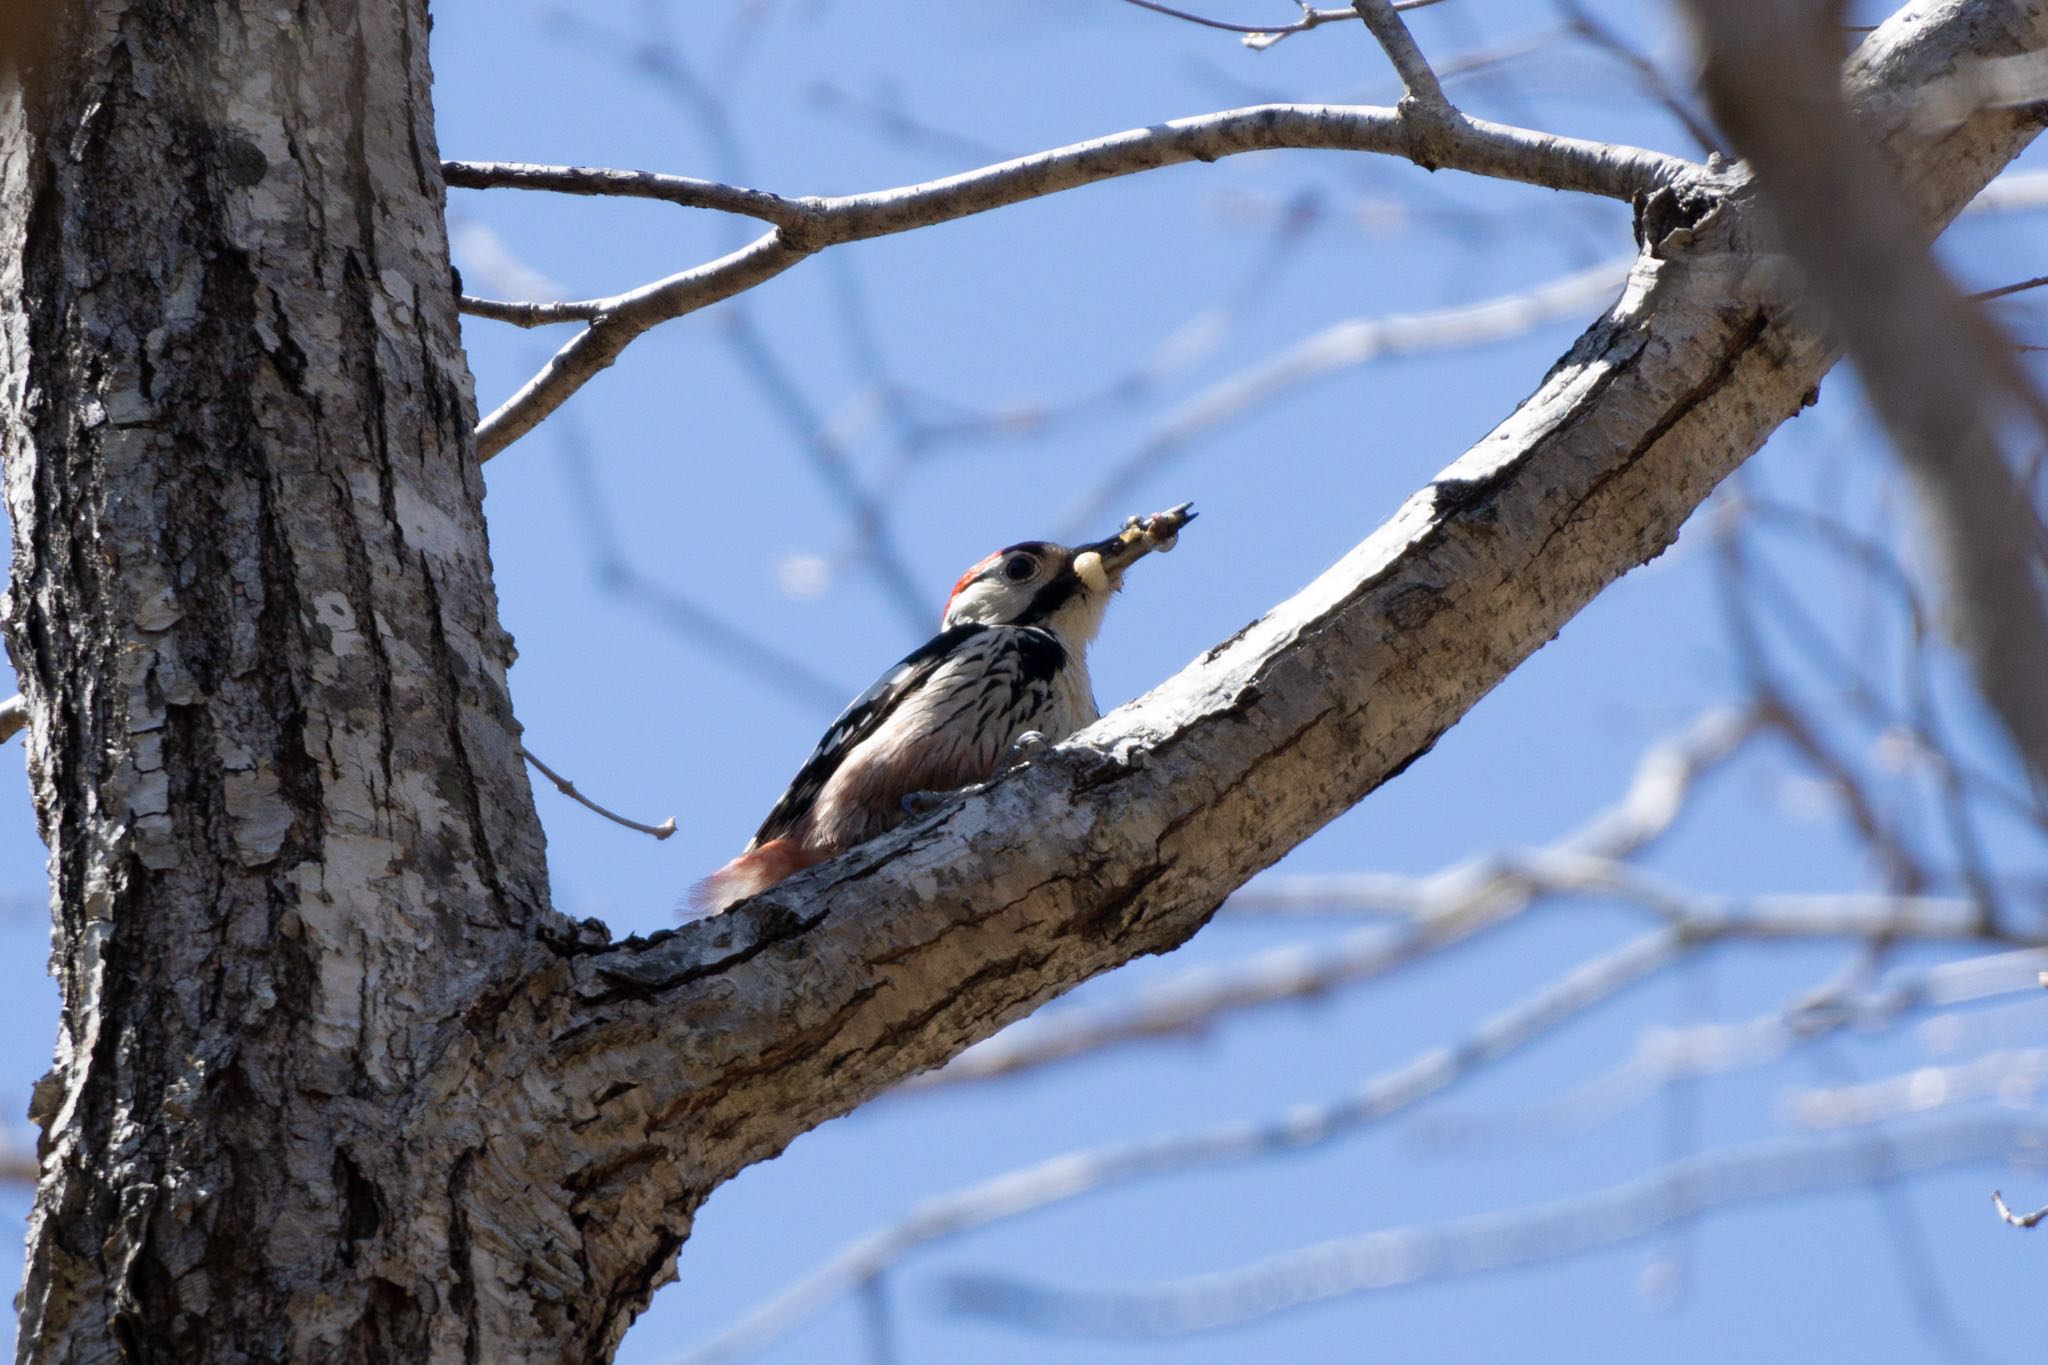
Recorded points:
(707,491)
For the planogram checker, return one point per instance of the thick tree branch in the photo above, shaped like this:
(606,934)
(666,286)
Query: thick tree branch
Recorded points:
(610,1089)
(614,321)
(1449,908)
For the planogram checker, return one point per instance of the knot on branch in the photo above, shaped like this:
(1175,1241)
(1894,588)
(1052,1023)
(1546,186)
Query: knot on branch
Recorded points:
(1431,130)
(1669,218)
(807,230)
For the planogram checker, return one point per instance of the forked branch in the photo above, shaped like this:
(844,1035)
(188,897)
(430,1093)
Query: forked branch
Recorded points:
(1425,91)
(804,227)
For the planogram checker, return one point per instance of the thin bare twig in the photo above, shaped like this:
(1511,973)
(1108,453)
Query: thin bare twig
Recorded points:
(2018,1220)
(658,59)
(13,717)
(2005,290)
(682,190)
(1877,557)
(1906,729)
(1425,91)
(486,256)
(1904,871)
(1182,348)
(1649,78)
(1310,18)
(1905,1232)
(685,615)
(568,789)
(1462,144)
(813,437)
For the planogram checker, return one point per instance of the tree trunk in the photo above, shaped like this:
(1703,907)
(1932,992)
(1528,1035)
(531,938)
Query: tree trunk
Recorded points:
(272,750)
(333,1083)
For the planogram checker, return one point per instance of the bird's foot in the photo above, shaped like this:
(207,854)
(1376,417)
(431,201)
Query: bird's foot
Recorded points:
(1026,748)
(924,803)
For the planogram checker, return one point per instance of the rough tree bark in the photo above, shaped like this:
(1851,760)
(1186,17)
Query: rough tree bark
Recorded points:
(333,1083)
(273,753)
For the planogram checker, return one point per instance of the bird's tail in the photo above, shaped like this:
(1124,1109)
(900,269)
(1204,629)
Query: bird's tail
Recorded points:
(748,875)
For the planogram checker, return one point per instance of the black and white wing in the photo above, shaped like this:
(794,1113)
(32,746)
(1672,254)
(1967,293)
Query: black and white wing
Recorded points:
(861,718)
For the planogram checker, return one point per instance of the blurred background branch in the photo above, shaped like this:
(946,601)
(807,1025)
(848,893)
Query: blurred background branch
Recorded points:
(1496,1241)
(1960,412)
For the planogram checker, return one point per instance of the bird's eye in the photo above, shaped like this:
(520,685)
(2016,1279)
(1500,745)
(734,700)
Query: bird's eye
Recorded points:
(1017,568)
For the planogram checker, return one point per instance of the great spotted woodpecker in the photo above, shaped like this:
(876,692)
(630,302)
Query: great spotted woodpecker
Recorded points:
(1008,669)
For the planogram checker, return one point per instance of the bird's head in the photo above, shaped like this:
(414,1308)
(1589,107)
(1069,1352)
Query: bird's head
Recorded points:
(1062,588)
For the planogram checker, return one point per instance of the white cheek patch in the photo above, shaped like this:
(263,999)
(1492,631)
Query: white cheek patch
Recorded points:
(1088,564)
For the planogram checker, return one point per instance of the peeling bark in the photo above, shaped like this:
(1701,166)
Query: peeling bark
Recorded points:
(332,1081)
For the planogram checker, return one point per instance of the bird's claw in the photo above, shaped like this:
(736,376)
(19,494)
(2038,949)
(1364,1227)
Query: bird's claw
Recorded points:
(924,803)
(1026,748)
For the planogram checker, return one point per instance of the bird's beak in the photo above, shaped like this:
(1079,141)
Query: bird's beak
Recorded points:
(1139,537)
